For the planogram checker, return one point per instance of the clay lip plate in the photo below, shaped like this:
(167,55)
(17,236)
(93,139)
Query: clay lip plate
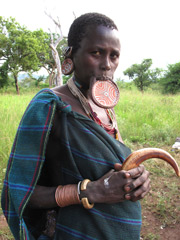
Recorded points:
(105,93)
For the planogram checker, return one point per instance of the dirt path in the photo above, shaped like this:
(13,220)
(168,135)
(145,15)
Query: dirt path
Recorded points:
(3,222)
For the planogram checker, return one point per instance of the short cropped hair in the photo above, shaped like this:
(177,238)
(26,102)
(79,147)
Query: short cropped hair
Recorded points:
(78,28)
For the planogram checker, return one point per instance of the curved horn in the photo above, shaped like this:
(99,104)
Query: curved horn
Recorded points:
(137,157)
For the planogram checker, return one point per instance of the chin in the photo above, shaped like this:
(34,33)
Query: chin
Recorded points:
(104,77)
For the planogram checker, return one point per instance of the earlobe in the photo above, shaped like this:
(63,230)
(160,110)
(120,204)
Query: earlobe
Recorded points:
(67,66)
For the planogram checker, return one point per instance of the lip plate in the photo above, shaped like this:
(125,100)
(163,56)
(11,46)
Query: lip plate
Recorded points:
(103,95)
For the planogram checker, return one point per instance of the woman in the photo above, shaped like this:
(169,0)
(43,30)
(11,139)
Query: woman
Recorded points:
(72,186)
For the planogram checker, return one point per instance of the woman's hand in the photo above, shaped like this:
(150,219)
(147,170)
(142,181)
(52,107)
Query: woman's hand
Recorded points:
(119,185)
(140,185)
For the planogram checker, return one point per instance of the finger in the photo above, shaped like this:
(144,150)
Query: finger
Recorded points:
(141,196)
(144,194)
(136,172)
(140,192)
(117,166)
(127,188)
(137,182)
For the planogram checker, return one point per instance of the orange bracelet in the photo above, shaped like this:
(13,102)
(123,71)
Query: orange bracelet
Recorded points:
(67,195)
(85,201)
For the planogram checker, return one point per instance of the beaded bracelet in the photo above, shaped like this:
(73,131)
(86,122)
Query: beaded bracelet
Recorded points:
(85,201)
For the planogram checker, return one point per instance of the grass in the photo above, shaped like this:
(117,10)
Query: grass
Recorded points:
(161,207)
(148,119)
(12,108)
(5,234)
(145,120)
(151,236)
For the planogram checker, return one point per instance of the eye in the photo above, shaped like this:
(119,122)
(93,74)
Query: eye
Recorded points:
(114,55)
(96,53)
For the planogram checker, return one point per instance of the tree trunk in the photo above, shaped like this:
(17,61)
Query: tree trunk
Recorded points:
(51,74)
(16,83)
(53,46)
(58,64)
(51,78)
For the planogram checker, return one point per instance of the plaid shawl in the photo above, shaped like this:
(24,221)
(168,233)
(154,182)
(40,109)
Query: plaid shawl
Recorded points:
(88,152)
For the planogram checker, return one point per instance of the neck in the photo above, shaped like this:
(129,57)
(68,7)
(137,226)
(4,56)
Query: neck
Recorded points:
(82,87)
(80,84)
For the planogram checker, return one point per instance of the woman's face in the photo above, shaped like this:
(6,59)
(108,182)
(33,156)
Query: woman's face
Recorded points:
(98,55)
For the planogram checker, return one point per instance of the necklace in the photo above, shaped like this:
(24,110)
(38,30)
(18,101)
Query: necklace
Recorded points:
(109,128)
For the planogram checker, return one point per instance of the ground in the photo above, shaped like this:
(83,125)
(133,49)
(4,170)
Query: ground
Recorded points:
(153,229)
(161,207)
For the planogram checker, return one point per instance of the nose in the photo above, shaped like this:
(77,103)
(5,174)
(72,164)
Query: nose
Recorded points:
(106,65)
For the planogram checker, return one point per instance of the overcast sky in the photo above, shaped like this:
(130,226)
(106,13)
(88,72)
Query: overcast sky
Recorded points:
(148,28)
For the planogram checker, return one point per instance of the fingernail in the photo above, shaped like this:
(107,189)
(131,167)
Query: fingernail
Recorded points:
(127,196)
(128,175)
(127,188)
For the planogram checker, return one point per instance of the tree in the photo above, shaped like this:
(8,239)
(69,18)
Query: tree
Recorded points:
(156,74)
(3,75)
(49,64)
(140,74)
(20,48)
(171,79)
(38,80)
(55,40)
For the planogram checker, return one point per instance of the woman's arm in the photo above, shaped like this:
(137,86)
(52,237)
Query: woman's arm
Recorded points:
(43,198)
(115,186)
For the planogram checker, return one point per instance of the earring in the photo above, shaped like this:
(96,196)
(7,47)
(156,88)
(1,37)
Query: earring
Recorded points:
(67,66)
(67,52)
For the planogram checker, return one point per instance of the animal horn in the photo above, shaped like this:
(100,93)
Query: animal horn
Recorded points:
(139,156)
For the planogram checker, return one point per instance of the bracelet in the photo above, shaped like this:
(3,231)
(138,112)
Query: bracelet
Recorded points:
(67,195)
(85,201)
(78,188)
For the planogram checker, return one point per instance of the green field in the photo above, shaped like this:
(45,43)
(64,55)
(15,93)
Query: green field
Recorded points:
(145,120)
(149,119)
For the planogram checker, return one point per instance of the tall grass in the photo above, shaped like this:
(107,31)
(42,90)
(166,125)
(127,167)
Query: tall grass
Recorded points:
(149,119)
(12,108)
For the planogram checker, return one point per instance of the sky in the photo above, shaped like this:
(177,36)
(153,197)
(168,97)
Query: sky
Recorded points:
(147,28)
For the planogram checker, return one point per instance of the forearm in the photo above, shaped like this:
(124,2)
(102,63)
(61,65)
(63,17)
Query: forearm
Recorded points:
(50,197)
(43,198)
(122,185)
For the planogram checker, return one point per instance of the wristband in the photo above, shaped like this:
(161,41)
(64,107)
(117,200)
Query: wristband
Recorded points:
(67,195)
(85,201)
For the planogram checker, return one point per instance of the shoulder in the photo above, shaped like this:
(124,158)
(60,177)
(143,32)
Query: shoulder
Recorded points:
(63,92)
(66,96)
(47,97)
(45,94)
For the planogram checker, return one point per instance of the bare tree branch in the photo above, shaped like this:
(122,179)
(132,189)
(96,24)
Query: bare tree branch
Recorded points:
(74,15)
(53,45)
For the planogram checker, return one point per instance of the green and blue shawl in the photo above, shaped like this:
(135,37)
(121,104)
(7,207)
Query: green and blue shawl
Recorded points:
(88,152)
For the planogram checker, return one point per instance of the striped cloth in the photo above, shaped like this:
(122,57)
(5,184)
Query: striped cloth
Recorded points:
(87,152)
